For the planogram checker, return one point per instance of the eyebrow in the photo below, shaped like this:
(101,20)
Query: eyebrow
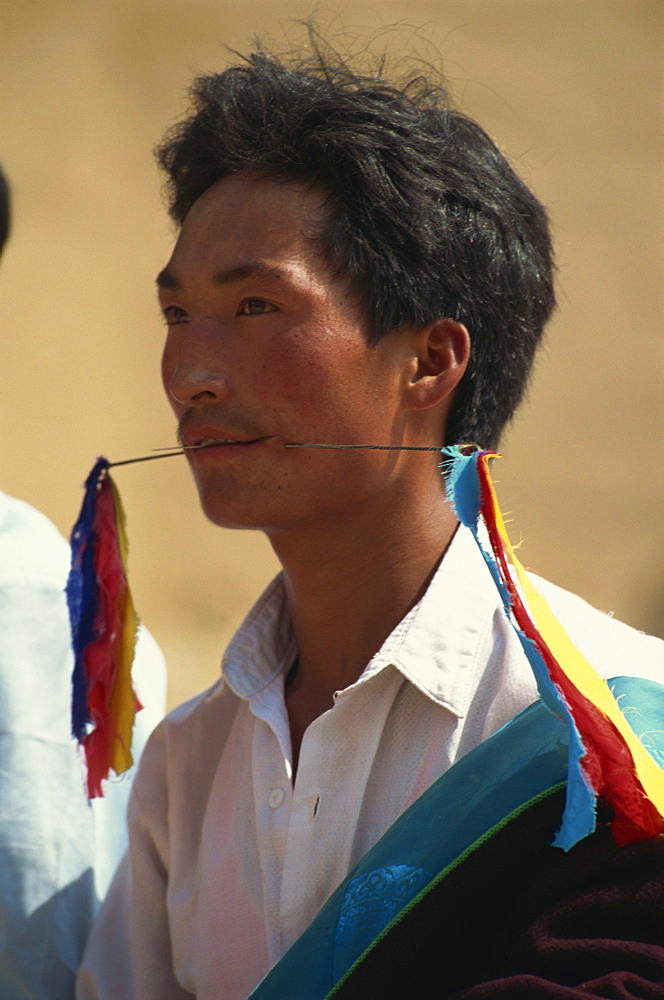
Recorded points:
(250,269)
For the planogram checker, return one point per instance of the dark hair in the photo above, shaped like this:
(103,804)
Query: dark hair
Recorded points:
(4,210)
(426,217)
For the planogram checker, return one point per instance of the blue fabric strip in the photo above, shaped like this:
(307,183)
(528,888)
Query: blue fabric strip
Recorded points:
(82,597)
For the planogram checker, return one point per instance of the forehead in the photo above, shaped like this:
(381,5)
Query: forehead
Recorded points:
(245,218)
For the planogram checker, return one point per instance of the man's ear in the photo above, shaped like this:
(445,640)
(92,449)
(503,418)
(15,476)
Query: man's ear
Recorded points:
(438,361)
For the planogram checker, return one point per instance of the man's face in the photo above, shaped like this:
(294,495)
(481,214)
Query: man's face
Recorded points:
(263,348)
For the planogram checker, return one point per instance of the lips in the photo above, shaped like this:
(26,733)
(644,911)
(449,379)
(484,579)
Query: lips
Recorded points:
(197,441)
(196,434)
(205,442)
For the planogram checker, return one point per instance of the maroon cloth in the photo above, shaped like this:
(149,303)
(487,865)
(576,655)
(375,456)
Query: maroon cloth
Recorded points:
(521,919)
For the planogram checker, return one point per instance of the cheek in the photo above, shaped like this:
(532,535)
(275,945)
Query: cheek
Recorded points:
(288,370)
(320,361)
(329,402)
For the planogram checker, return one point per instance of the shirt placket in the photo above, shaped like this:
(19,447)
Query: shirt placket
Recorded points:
(273,800)
(335,762)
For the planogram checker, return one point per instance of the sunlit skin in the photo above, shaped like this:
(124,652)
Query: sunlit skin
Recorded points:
(264,347)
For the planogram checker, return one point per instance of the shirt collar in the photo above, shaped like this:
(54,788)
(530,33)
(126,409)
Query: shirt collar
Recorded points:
(263,646)
(436,645)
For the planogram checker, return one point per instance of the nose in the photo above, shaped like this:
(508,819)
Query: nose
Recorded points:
(192,367)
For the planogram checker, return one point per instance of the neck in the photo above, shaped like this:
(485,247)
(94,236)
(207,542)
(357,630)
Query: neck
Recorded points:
(348,586)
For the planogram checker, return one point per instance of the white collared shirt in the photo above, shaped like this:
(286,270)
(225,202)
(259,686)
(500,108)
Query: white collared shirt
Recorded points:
(230,861)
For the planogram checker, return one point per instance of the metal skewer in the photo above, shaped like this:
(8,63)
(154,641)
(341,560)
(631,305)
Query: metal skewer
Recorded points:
(372,447)
(145,458)
(168,452)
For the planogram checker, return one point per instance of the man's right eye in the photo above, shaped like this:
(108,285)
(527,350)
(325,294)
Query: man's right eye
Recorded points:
(174,315)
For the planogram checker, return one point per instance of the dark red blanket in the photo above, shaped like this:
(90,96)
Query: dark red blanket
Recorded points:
(522,919)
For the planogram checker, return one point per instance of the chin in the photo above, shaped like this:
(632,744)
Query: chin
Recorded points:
(225,513)
(233,524)
(223,517)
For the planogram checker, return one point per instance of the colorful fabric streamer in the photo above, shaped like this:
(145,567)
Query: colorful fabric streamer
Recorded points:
(104,626)
(606,758)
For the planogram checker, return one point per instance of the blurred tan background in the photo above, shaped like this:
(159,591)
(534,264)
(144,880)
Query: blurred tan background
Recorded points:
(571,89)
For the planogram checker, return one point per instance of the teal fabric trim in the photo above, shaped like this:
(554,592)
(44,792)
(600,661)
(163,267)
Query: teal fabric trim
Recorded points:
(520,762)
(642,703)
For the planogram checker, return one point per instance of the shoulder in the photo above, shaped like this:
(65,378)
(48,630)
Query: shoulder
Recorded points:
(613,648)
(189,721)
(186,746)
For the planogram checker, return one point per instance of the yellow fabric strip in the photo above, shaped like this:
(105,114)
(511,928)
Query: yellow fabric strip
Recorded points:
(580,672)
(123,700)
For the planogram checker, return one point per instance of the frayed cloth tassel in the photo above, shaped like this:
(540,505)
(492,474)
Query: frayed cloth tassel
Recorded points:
(606,758)
(104,627)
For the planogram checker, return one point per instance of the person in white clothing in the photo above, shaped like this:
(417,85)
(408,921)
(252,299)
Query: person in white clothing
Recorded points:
(356,265)
(58,852)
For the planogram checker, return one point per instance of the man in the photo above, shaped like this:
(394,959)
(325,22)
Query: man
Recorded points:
(356,265)
(57,853)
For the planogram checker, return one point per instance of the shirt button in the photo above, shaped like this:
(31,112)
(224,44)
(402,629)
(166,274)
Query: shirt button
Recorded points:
(276,798)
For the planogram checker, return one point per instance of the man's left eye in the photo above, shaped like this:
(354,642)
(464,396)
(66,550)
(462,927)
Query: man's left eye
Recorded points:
(255,307)
(174,315)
